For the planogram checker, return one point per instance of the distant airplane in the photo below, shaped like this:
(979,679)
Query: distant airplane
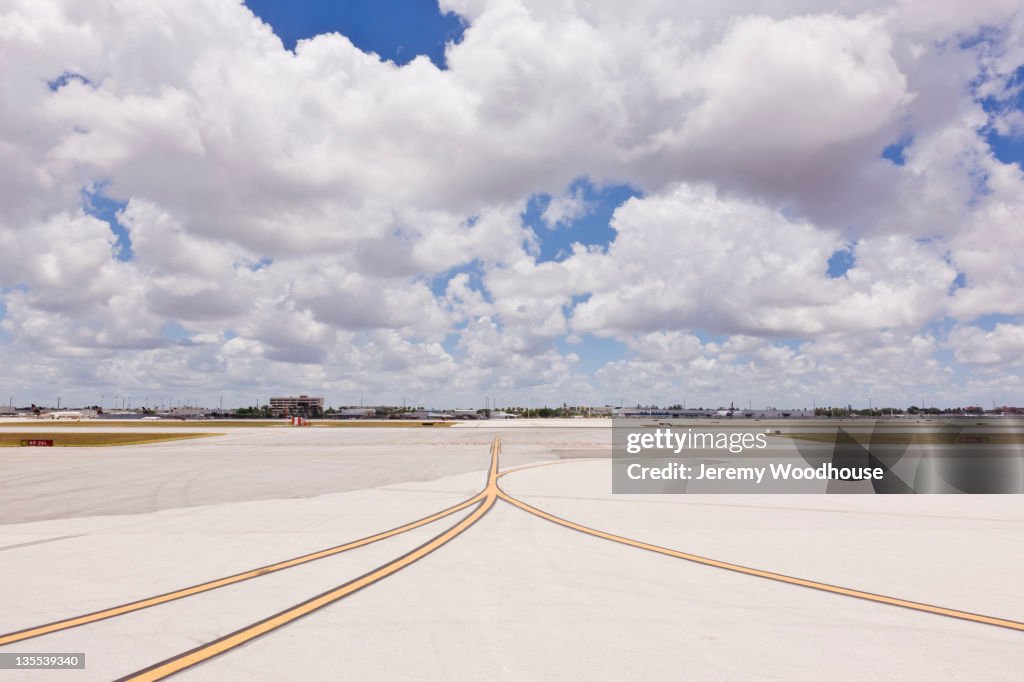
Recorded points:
(727,413)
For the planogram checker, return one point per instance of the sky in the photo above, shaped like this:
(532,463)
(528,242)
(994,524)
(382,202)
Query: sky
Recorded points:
(775,203)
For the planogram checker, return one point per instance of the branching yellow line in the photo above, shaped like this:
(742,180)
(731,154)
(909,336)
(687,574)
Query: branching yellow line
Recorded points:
(76,621)
(769,575)
(484,501)
(217,647)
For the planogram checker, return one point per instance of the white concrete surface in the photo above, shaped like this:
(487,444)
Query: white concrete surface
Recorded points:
(515,597)
(238,465)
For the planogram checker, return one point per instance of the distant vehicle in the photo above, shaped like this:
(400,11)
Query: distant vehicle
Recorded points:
(151,419)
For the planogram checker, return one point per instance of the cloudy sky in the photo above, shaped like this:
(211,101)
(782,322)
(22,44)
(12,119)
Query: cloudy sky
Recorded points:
(774,202)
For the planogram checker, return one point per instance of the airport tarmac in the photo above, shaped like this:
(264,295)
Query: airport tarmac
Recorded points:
(489,590)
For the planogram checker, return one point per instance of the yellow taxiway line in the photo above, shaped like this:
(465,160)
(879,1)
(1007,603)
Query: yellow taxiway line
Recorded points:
(769,575)
(148,602)
(484,500)
(159,671)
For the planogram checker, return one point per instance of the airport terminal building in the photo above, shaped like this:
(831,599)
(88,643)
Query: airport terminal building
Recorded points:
(297,406)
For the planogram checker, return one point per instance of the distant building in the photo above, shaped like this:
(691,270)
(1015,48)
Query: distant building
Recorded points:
(354,413)
(730,413)
(422,414)
(188,412)
(660,412)
(70,414)
(466,414)
(297,406)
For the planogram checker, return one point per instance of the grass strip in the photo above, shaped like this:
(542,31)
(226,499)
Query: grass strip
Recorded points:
(65,439)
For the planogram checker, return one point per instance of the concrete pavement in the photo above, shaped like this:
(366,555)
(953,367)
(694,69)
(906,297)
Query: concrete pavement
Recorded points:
(514,596)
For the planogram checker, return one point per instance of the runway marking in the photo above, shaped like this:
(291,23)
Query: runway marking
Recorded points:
(487,497)
(779,577)
(484,500)
(148,602)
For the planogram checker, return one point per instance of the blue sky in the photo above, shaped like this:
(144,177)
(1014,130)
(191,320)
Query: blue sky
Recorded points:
(98,205)
(592,228)
(397,30)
